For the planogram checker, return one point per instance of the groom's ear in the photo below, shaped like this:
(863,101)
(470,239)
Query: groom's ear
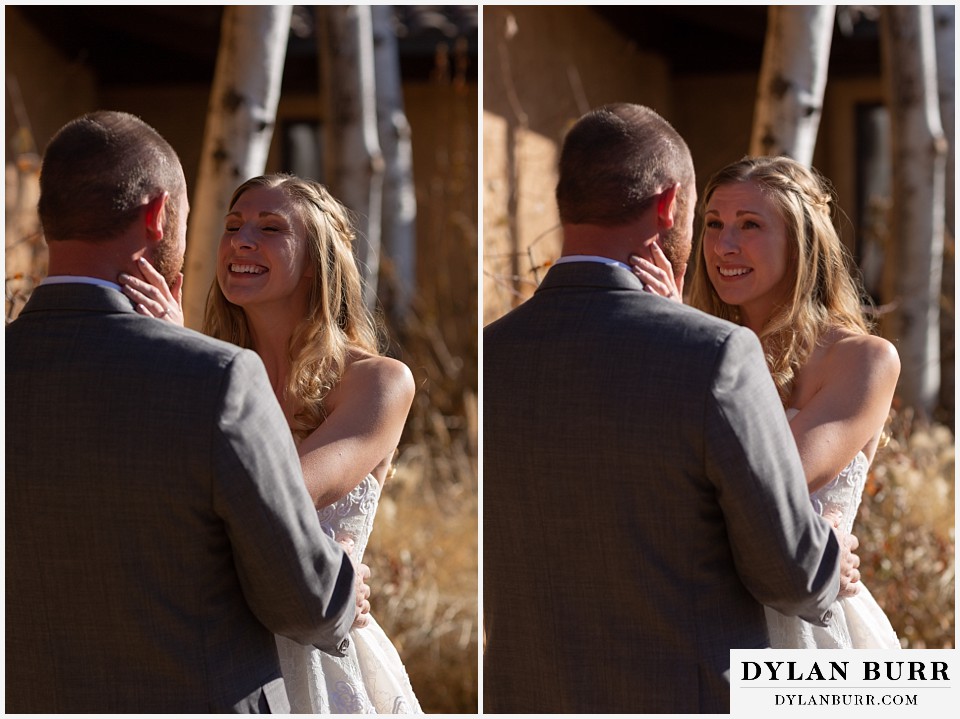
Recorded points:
(155,217)
(667,207)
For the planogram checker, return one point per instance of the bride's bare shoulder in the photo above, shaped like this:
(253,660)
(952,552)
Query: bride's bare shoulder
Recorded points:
(846,349)
(368,377)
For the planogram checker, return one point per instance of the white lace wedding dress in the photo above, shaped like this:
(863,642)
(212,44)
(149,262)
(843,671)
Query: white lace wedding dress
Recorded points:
(371,678)
(858,622)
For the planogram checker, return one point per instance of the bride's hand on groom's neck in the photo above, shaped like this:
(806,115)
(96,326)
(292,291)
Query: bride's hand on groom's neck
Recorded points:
(656,273)
(152,295)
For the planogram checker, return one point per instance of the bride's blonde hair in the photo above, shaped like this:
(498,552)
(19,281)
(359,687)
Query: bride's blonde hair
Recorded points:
(826,292)
(337,320)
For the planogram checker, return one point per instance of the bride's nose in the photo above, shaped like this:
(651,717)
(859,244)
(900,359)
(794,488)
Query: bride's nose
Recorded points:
(726,243)
(243,239)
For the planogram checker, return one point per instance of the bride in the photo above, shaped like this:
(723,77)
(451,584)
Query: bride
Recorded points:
(772,261)
(288,287)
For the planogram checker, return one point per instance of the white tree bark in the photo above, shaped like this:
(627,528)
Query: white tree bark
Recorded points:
(793,75)
(915,257)
(944,24)
(353,158)
(399,198)
(239,128)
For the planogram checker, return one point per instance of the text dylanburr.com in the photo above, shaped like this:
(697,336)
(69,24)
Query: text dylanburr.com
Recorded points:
(921,682)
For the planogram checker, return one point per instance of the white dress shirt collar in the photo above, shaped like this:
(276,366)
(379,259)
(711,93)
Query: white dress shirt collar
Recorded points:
(608,261)
(593,258)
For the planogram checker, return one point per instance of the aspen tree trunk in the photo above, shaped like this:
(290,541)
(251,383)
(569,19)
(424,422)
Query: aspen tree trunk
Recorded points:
(353,159)
(793,76)
(240,121)
(399,198)
(915,255)
(944,23)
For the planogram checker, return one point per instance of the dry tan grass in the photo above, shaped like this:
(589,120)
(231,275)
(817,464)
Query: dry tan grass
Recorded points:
(906,528)
(423,555)
(424,549)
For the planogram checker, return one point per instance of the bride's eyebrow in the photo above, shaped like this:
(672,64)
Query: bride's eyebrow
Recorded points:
(738,213)
(265,213)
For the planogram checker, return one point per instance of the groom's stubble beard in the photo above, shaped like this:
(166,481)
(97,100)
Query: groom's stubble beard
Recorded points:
(167,257)
(677,242)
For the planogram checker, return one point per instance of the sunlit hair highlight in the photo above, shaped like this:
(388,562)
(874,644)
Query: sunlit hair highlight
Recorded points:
(337,320)
(826,293)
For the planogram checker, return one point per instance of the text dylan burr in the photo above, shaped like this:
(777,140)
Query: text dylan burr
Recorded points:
(840,671)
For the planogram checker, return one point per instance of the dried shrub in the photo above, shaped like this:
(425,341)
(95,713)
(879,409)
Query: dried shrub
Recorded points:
(423,552)
(906,528)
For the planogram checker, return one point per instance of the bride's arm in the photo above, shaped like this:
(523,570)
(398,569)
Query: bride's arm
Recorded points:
(366,413)
(853,401)
(856,386)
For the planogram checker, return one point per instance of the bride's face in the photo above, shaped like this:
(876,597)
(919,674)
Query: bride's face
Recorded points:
(262,257)
(746,251)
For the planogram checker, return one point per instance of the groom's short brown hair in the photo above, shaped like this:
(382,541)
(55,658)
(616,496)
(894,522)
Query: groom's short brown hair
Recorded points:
(614,160)
(97,172)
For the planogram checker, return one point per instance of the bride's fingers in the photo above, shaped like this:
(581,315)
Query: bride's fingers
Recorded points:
(176,289)
(363,618)
(645,270)
(363,590)
(153,277)
(649,269)
(665,269)
(150,300)
(363,596)
(656,279)
(166,293)
(660,259)
(852,542)
(137,291)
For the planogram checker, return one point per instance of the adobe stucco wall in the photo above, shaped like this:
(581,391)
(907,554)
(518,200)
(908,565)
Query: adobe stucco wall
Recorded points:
(543,68)
(52,88)
(44,90)
(443,117)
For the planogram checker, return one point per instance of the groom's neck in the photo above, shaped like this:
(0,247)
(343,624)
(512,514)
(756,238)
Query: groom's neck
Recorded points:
(617,242)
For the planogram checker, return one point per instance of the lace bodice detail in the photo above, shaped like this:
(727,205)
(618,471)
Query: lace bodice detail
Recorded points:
(370,678)
(857,622)
(841,496)
(351,518)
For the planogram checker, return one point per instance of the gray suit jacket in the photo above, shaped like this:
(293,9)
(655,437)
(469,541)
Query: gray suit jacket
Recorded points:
(158,531)
(642,499)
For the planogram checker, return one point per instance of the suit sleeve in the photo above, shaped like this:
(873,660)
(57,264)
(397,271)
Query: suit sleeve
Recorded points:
(297,581)
(786,555)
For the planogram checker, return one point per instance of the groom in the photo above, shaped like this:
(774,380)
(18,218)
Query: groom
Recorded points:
(643,496)
(158,531)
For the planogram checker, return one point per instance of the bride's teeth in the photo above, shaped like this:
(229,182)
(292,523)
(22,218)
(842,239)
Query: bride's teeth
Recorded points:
(250,269)
(734,272)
